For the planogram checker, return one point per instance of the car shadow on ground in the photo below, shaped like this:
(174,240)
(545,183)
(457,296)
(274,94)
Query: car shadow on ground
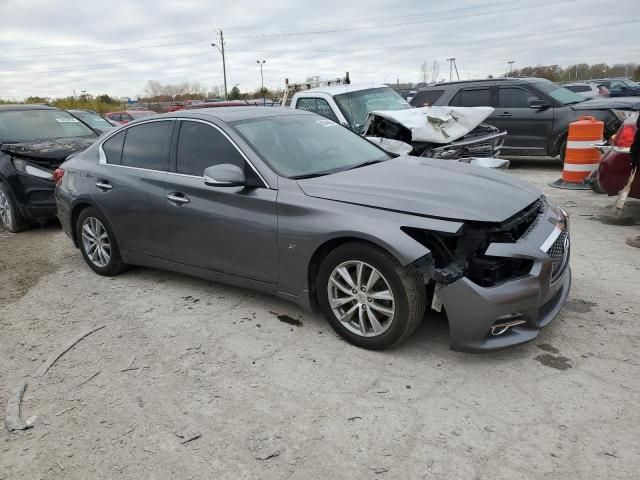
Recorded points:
(534,163)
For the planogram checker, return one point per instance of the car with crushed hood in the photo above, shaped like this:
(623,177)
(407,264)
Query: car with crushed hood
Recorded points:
(379,113)
(293,204)
(34,141)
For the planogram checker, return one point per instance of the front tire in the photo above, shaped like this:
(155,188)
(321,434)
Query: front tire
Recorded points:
(368,298)
(98,243)
(10,216)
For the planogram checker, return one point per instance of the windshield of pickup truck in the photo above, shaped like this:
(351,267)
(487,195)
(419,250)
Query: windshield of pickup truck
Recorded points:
(356,106)
(40,124)
(560,94)
(304,146)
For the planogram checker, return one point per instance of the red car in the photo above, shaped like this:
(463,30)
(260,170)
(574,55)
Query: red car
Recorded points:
(615,167)
(128,115)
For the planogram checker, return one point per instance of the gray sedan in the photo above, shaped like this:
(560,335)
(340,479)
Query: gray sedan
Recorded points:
(288,202)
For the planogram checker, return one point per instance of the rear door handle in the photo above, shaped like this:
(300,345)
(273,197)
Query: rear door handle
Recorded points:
(505,114)
(178,198)
(104,185)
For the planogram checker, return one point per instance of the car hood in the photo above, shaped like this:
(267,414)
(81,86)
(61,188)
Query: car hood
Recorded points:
(624,103)
(50,151)
(433,188)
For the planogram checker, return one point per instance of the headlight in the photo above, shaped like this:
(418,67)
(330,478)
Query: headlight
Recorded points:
(622,115)
(26,167)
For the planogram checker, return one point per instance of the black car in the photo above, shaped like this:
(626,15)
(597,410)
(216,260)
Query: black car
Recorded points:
(535,112)
(34,141)
(94,120)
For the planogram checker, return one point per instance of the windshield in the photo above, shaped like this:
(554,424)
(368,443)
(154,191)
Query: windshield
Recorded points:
(560,94)
(141,114)
(297,146)
(93,119)
(356,106)
(25,125)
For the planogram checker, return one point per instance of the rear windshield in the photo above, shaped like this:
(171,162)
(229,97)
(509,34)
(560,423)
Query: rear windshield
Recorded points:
(560,94)
(25,125)
(426,98)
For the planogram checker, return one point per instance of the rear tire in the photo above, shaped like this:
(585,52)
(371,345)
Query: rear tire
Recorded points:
(98,243)
(380,302)
(10,217)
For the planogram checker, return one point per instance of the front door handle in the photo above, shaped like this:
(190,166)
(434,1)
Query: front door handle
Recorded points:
(178,198)
(505,114)
(104,185)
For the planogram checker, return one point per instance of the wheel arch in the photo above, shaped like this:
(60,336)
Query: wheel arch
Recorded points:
(77,208)
(326,248)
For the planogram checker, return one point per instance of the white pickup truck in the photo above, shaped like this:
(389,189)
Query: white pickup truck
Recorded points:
(380,114)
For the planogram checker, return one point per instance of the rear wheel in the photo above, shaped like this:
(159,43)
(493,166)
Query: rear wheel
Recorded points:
(368,297)
(10,216)
(98,243)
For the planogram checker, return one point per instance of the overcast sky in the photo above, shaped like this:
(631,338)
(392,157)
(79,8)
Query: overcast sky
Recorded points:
(51,48)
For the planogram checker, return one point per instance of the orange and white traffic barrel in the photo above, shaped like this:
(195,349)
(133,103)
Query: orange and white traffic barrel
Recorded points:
(581,156)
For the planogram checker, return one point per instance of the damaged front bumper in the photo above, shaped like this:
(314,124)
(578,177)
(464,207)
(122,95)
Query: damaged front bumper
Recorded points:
(483,319)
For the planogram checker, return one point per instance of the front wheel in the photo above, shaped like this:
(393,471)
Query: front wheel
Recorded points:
(368,297)
(10,217)
(98,243)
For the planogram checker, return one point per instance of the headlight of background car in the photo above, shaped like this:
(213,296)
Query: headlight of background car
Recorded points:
(622,115)
(26,167)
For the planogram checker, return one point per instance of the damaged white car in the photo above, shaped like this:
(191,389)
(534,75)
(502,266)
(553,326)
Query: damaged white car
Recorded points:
(384,117)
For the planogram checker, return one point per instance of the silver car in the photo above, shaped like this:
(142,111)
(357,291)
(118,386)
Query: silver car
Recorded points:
(291,203)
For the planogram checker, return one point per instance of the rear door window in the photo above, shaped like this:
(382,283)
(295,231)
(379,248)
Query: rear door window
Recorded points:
(201,146)
(426,98)
(317,105)
(514,97)
(147,146)
(113,148)
(472,97)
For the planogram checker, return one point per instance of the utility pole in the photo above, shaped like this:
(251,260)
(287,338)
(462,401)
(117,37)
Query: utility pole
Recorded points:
(451,60)
(455,65)
(261,63)
(224,65)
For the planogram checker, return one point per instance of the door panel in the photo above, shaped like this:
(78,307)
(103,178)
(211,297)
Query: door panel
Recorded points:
(134,206)
(232,230)
(527,128)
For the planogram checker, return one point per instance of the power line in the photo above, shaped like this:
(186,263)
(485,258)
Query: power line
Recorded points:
(447,44)
(100,65)
(404,24)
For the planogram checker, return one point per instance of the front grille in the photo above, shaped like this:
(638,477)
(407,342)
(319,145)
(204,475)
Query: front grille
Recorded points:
(559,252)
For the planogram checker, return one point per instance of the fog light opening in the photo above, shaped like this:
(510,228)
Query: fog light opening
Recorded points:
(505,323)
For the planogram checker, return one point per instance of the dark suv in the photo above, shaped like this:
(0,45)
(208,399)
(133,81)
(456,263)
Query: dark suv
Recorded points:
(34,140)
(535,112)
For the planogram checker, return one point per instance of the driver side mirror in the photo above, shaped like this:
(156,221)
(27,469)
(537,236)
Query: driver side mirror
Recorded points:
(224,175)
(538,105)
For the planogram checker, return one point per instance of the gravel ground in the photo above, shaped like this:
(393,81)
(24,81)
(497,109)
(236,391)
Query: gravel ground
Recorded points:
(226,383)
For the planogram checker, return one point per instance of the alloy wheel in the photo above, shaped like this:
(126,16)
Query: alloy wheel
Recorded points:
(95,242)
(361,298)
(5,210)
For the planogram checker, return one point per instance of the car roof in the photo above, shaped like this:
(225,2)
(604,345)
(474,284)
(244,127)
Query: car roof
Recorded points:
(488,81)
(232,114)
(28,106)
(341,88)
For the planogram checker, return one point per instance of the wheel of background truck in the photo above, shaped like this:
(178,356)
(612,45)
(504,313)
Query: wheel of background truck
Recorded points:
(368,297)
(594,183)
(563,149)
(10,216)
(98,243)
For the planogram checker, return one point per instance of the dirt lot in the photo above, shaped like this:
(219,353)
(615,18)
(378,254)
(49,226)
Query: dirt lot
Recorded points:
(274,393)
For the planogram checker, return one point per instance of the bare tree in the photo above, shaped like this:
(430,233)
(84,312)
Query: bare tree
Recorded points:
(424,73)
(435,71)
(153,89)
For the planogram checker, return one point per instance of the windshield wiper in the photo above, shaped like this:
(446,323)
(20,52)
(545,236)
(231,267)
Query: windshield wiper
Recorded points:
(364,164)
(309,175)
